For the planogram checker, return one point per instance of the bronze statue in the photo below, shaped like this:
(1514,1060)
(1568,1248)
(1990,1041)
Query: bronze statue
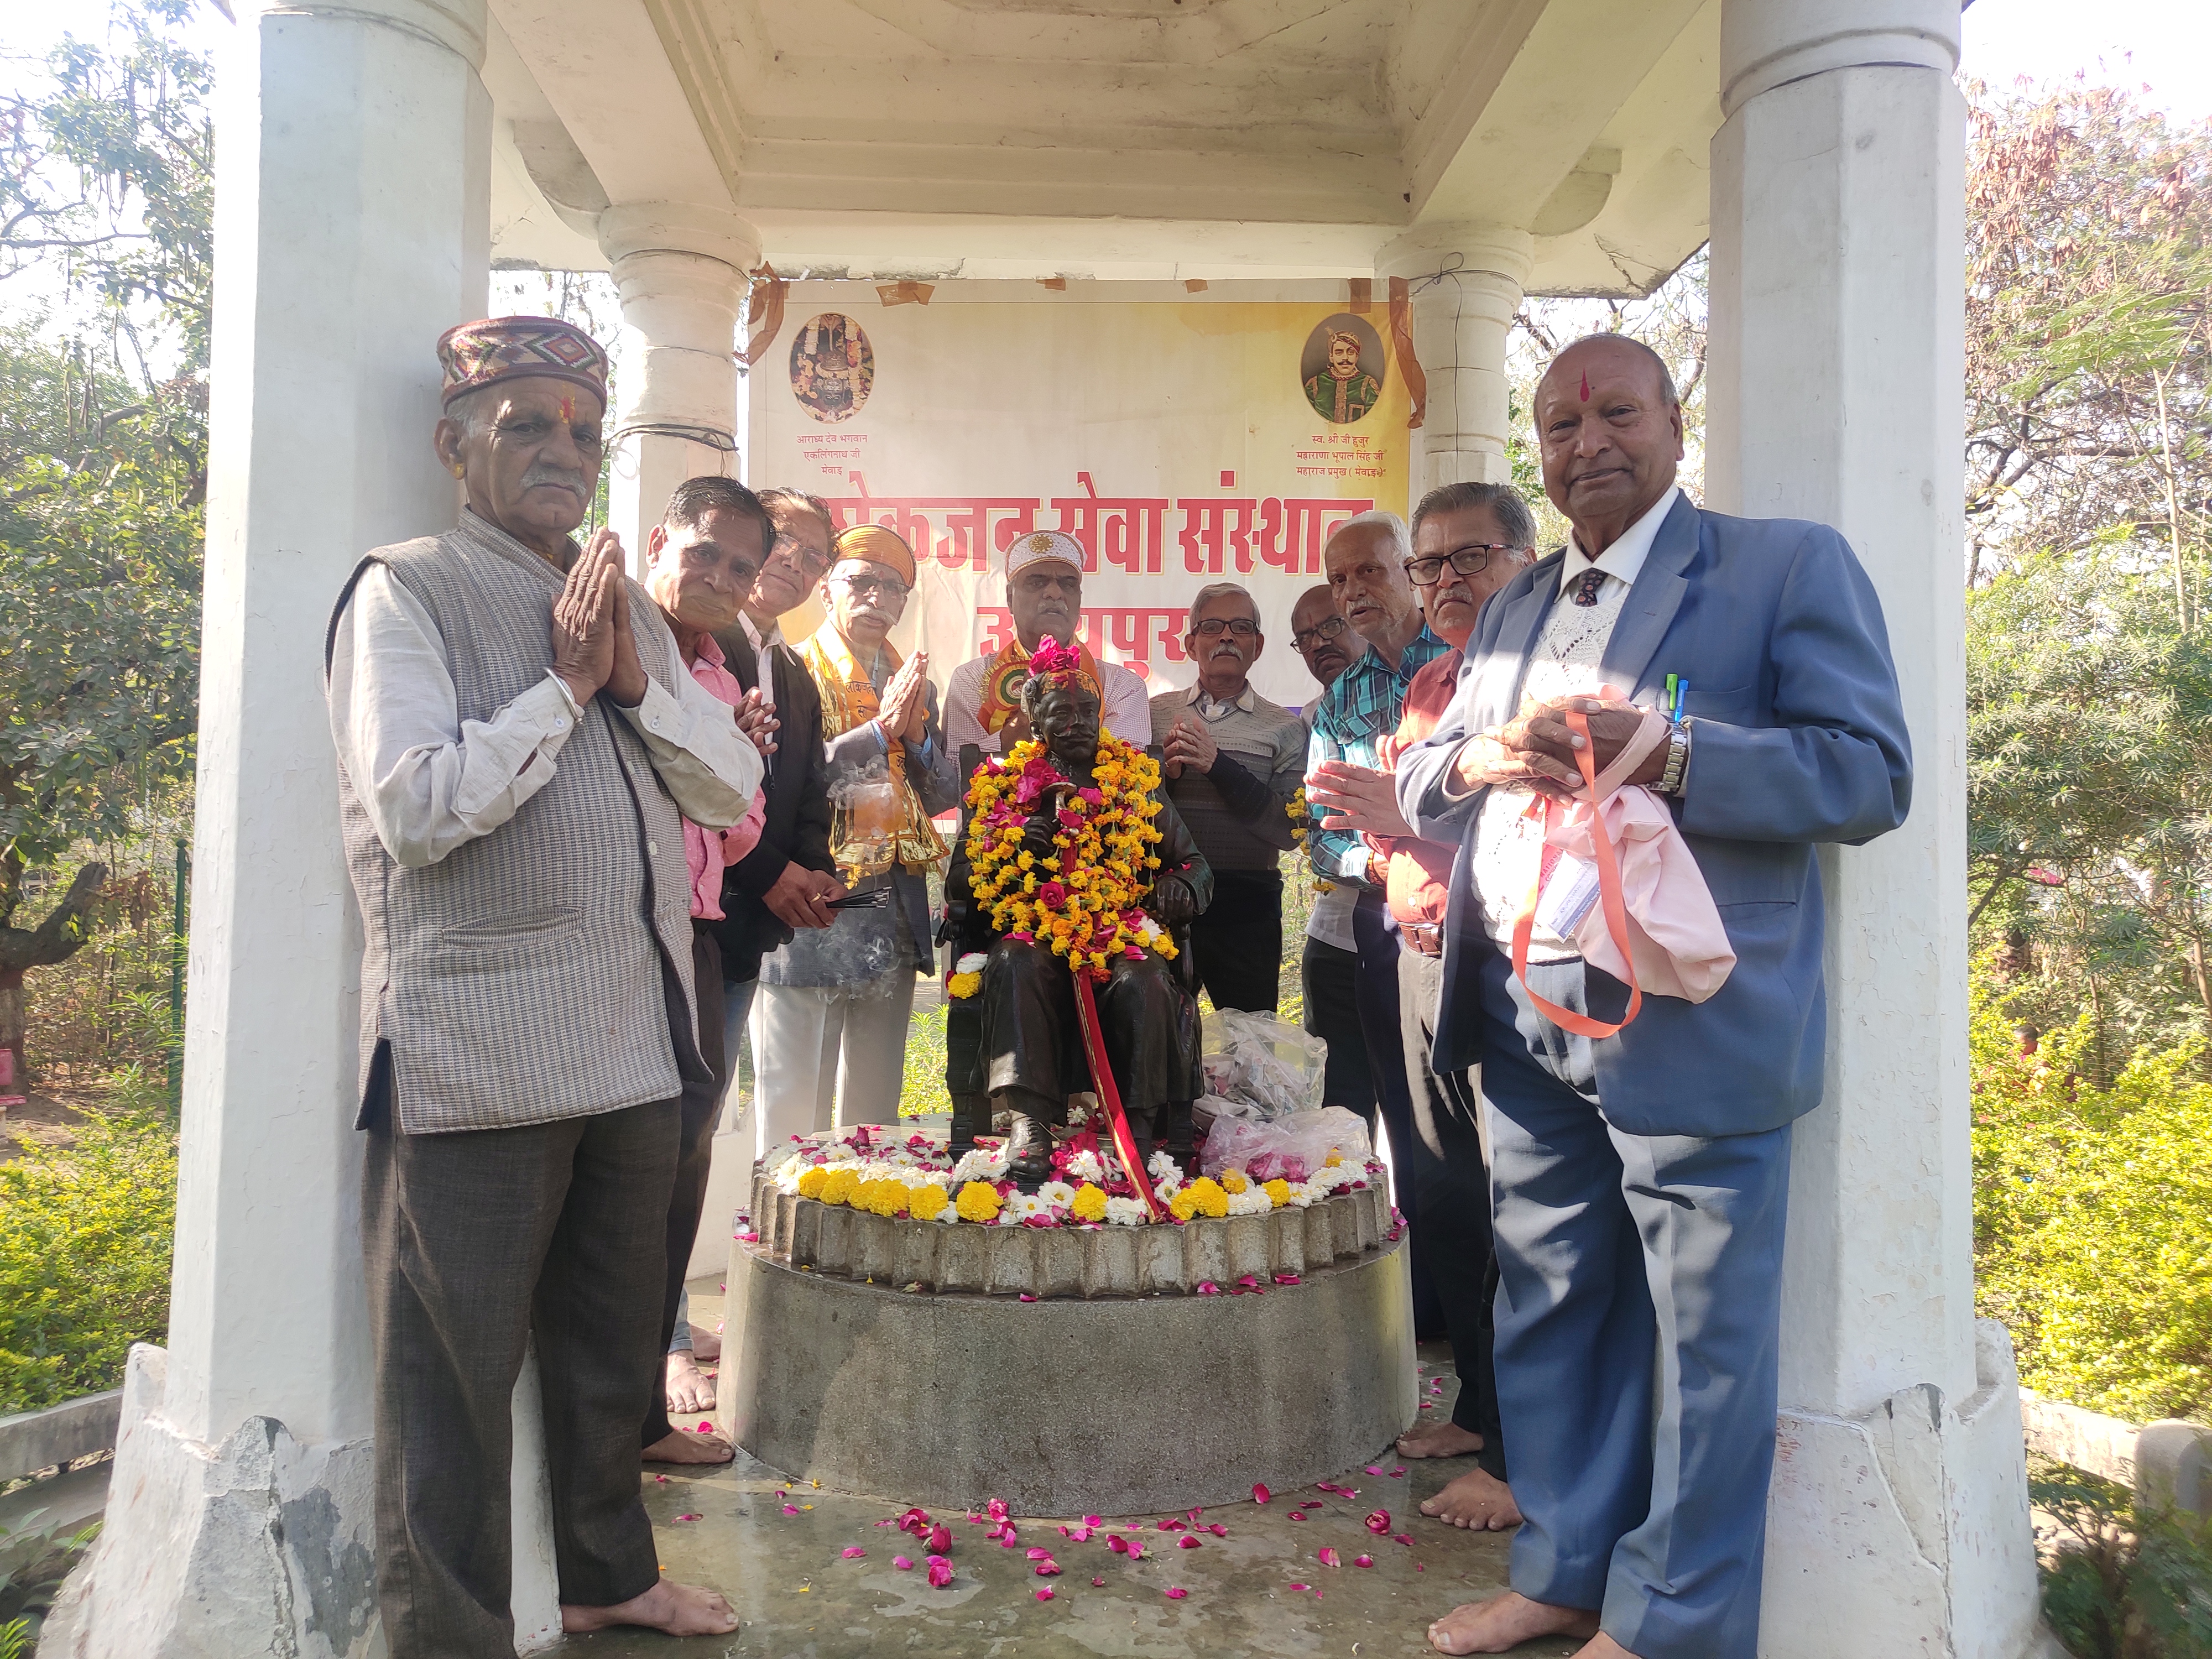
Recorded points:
(1028,1056)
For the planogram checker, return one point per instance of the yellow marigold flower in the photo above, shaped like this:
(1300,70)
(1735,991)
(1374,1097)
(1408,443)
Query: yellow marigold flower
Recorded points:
(979,1201)
(1090,1203)
(964,986)
(1334,1162)
(1184,1205)
(811,1182)
(923,1203)
(844,1181)
(1233,1181)
(1207,1193)
(1280,1190)
(891,1197)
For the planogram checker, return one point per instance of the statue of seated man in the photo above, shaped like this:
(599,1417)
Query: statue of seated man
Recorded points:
(1070,854)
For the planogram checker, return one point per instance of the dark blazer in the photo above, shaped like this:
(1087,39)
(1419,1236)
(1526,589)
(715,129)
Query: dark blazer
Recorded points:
(795,821)
(1798,738)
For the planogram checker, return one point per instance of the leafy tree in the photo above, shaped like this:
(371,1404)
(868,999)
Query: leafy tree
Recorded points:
(106,174)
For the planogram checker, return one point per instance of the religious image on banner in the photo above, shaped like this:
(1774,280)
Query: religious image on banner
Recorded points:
(833,367)
(1342,368)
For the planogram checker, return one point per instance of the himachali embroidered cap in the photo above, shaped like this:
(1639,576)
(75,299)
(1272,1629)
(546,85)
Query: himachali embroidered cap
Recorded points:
(879,544)
(481,354)
(1042,547)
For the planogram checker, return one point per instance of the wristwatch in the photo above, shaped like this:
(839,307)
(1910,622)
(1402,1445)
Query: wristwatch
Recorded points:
(1678,759)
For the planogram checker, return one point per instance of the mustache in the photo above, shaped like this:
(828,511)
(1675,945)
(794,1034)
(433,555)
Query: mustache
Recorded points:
(540,475)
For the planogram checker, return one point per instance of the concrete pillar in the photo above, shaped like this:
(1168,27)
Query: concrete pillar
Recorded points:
(680,268)
(351,229)
(1466,281)
(1899,1516)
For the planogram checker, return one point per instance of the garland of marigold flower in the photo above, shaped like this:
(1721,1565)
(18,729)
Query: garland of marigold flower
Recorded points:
(1085,900)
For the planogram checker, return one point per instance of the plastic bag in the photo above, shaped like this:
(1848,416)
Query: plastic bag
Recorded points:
(1292,1147)
(1257,1058)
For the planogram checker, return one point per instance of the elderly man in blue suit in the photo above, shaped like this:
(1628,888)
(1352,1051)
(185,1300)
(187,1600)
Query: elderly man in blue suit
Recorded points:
(1640,1179)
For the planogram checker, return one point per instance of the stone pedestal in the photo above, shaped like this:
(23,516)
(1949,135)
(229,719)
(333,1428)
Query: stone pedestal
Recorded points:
(1464,284)
(1032,1374)
(680,269)
(1900,1510)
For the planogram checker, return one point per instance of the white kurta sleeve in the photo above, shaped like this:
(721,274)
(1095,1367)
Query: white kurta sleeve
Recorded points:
(428,780)
(710,767)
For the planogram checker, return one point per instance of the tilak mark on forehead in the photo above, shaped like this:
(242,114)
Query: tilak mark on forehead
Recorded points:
(1586,386)
(569,405)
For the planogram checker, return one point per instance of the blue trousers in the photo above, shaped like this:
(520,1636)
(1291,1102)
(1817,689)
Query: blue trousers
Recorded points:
(1637,1325)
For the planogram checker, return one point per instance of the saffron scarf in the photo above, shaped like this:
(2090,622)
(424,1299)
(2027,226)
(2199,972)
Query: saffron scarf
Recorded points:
(849,700)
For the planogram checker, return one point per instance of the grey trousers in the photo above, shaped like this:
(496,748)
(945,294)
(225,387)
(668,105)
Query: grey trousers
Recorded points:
(474,1242)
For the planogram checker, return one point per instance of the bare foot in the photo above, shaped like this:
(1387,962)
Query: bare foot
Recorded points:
(1504,1622)
(682,1446)
(689,1390)
(1602,1646)
(1478,1500)
(705,1344)
(1444,1439)
(676,1609)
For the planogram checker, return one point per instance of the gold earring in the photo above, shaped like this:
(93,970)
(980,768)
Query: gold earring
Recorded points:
(458,469)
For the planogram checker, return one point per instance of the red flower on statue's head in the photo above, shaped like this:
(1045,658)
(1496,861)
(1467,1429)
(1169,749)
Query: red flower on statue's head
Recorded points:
(1052,895)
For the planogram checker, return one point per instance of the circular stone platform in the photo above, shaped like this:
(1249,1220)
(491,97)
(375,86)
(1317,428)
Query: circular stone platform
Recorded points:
(1081,1401)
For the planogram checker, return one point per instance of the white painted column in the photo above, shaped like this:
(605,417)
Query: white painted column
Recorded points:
(681,268)
(1466,282)
(1898,1518)
(351,229)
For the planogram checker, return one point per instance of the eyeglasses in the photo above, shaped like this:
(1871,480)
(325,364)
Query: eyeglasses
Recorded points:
(1327,628)
(797,554)
(1213,627)
(1469,561)
(884,587)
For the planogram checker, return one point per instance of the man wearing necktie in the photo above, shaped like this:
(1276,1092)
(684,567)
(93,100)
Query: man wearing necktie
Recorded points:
(1641,1177)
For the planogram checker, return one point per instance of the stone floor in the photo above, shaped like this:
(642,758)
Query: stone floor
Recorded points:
(798,1596)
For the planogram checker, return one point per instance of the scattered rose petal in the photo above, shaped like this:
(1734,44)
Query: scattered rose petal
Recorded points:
(1418,1567)
(1286,1279)
(1374,1468)
(1098,1583)
(1208,1287)
(851,1552)
(939,1540)
(940,1572)
(791,1509)
(1092,1521)
(1428,1406)
(1186,1542)
(1327,1556)
(687,1517)
(1379,1522)
(1363,1560)
(1047,1568)
(1044,1594)
(1136,1551)
(1301,1587)
(1175,1593)
(1396,1473)
(660,1479)
(1008,1538)
(1436,1385)
(1261,1494)
(1035,1554)
(1297,1515)
(1218,1530)
(1405,1537)
(901,1563)
(997,1508)
(1118,1544)
(1025,1297)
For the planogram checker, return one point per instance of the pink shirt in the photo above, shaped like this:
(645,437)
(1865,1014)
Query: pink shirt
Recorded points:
(708,852)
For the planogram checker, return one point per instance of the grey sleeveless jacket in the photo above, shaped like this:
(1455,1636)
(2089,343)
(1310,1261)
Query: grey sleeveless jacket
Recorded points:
(531,974)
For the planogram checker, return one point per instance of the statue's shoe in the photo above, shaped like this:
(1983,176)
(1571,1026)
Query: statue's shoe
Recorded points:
(1028,1153)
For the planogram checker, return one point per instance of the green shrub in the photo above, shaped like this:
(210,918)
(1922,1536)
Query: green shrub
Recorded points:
(86,1232)
(2090,1239)
(2120,1581)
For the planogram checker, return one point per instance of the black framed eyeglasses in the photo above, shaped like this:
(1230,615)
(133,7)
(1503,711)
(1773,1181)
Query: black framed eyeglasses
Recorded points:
(1213,627)
(884,587)
(1327,628)
(1469,561)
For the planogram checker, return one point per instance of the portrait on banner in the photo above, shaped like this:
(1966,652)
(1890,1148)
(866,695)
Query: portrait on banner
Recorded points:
(833,367)
(1342,368)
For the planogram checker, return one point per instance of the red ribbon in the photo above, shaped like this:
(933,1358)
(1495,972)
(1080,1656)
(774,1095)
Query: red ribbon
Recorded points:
(1101,1074)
